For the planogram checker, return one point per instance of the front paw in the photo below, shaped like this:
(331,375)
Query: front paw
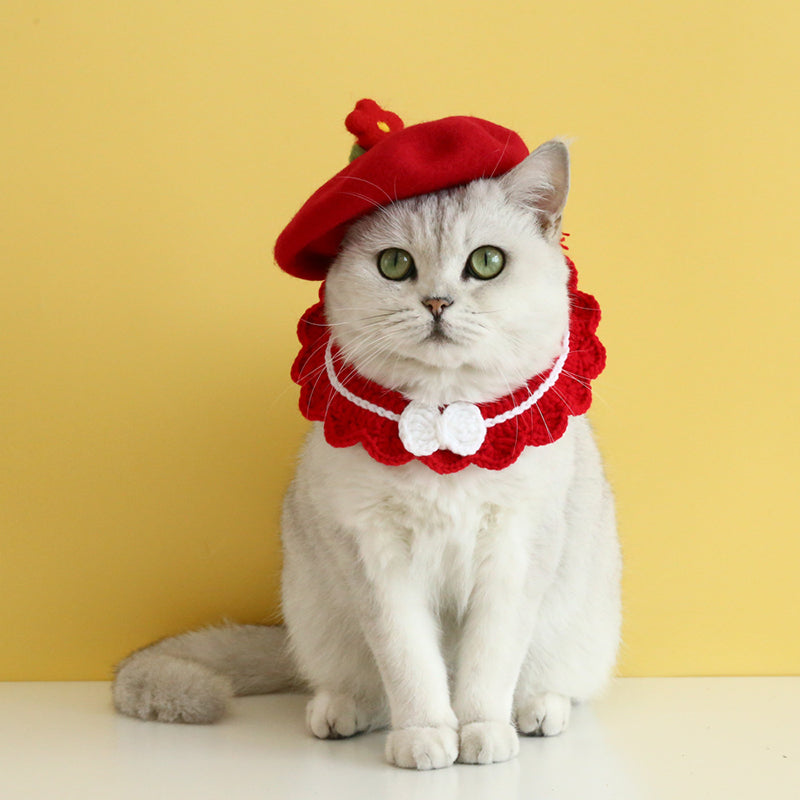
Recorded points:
(422,748)
(487,743)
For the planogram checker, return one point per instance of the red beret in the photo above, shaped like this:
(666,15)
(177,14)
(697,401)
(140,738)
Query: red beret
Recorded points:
(391,162)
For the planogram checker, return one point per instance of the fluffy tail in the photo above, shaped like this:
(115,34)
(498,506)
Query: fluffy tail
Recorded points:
(191,677)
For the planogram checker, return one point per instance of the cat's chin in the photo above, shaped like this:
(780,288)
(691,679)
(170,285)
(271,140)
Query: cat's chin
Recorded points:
(440,352)
(438,376)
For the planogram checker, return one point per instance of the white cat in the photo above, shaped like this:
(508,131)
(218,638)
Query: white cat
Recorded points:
(463,608)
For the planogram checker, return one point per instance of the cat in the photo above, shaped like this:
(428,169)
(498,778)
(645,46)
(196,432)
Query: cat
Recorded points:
(458,609)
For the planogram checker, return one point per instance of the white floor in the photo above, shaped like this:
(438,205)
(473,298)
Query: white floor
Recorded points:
(648,738)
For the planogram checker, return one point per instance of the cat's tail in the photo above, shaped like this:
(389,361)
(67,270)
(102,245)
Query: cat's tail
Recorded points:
(191,677)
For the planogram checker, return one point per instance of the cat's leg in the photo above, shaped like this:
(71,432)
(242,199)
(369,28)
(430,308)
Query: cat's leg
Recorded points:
(348,697)
(574,646)
(326,639)
(556,673)
(334,660)
(570,660)
(560,667)
(403,636)
(495,638)
(552,676)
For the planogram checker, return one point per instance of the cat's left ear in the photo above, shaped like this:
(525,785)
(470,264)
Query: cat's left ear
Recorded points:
(541,183)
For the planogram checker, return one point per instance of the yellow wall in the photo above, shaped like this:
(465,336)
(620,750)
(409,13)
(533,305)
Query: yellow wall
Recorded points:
(150,153)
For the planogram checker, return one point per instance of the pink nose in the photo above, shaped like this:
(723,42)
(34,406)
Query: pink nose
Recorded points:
(437,305)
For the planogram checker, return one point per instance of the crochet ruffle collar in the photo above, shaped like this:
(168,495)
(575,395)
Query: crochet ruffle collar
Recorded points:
(394,430)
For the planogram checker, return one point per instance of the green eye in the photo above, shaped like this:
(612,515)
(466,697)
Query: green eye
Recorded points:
(486,262)
(396,264)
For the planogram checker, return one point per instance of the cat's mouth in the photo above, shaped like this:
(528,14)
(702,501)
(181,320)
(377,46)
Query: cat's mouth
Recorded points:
(438,334)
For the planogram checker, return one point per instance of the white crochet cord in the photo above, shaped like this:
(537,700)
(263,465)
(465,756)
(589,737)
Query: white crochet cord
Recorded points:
(540,392)
(354,399)
(490,423)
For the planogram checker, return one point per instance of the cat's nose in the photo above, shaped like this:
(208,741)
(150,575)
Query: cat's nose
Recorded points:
(437,305)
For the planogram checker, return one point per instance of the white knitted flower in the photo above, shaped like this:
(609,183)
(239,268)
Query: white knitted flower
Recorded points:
(460,428)
(417,428)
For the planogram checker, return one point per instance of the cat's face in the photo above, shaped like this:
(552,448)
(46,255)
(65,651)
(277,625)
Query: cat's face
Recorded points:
(460,294)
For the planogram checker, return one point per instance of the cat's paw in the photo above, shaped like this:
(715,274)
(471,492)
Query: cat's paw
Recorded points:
(544,714)
(330,715)
(487,742)
(422,748)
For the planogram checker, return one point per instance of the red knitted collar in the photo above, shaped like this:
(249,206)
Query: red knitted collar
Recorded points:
(492,435)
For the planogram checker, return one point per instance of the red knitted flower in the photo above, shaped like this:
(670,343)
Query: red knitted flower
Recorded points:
(347,423)
(369,123)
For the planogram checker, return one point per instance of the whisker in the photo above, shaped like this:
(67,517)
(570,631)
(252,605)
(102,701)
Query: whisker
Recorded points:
(577,378)
(546,426)
(560,396)
(370,183)
(497,165)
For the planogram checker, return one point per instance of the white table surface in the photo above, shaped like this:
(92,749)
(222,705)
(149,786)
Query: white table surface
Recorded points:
(647,738)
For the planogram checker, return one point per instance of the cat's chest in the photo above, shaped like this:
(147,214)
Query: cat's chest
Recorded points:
(437,538)
(435,511)
(426,511)
(432,529)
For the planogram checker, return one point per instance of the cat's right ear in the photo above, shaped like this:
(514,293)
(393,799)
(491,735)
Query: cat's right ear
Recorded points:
(541,183)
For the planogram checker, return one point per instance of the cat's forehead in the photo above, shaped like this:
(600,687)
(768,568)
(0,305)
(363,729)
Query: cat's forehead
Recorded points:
(440,210)
(448,215)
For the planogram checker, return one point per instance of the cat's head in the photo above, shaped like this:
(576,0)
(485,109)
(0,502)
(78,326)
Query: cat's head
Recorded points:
(460,294)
